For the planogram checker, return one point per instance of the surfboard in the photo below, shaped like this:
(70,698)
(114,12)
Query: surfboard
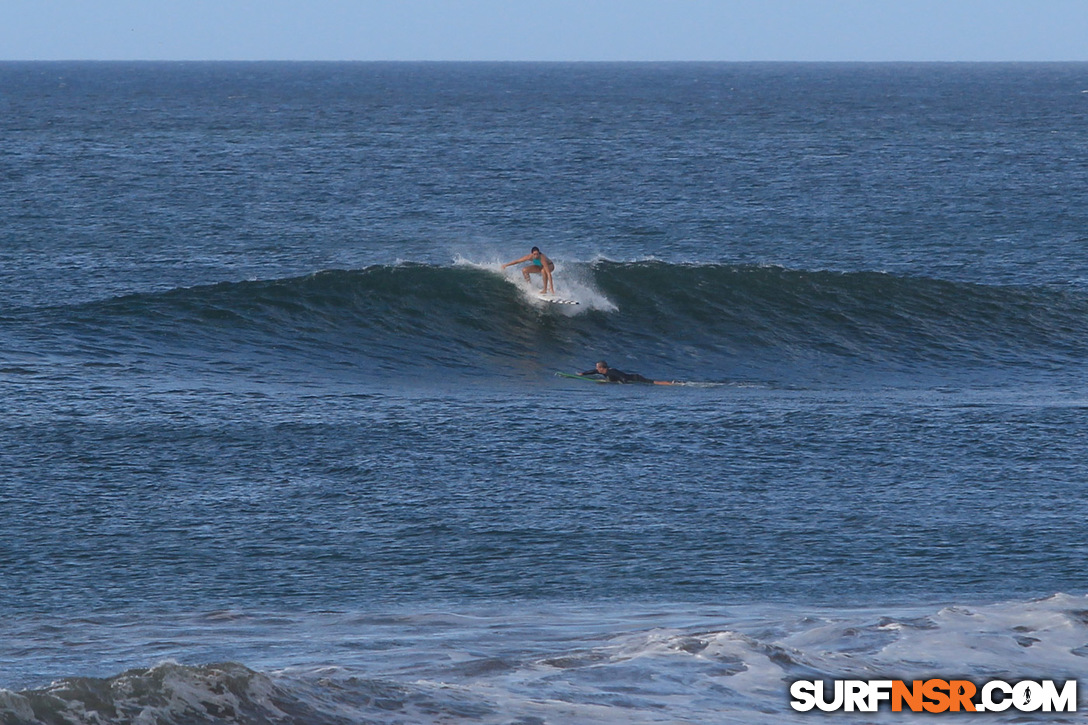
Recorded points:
(558,300)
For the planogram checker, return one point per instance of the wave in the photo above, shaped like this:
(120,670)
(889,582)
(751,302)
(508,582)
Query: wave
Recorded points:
(582,666)
(168,693)
(706,322)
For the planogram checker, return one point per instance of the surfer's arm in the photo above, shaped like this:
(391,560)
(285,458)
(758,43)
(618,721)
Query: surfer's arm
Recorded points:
(590,372)
(526,258)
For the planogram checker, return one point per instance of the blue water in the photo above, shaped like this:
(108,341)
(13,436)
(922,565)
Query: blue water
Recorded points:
(282,442)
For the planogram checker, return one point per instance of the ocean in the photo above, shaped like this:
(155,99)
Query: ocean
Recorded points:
(282,442)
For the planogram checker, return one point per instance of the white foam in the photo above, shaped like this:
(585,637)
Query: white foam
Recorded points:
(576,282)
(582,664)
(1018,639)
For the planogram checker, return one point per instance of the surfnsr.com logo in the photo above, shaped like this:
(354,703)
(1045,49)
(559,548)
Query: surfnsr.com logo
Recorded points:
(934,695)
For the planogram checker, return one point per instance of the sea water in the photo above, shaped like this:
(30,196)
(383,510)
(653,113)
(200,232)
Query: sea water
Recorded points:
(283,443)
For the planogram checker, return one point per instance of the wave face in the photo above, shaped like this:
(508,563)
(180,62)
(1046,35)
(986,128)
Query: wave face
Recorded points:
(700,322)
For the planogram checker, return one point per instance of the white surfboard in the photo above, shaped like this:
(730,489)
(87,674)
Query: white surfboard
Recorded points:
(558,300)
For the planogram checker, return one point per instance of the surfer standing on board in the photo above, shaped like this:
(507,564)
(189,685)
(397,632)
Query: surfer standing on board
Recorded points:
(538,264)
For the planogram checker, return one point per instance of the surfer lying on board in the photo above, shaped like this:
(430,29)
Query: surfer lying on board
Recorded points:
(613,375)
(538,264)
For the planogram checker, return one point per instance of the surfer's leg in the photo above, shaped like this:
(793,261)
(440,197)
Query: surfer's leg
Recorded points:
(546,274)
(531,269)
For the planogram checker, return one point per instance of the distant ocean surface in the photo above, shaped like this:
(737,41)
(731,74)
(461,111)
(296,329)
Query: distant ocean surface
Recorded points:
(282,443)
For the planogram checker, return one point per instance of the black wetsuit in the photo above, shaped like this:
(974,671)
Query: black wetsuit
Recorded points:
(618,376)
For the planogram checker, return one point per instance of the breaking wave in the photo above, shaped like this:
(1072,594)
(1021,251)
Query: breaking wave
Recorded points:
(704,322)
(732,665)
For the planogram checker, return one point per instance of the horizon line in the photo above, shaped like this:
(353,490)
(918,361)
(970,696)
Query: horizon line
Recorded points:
(541,62)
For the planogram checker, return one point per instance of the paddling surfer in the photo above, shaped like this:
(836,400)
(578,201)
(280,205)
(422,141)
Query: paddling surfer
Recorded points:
(613,375)
(538,264)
